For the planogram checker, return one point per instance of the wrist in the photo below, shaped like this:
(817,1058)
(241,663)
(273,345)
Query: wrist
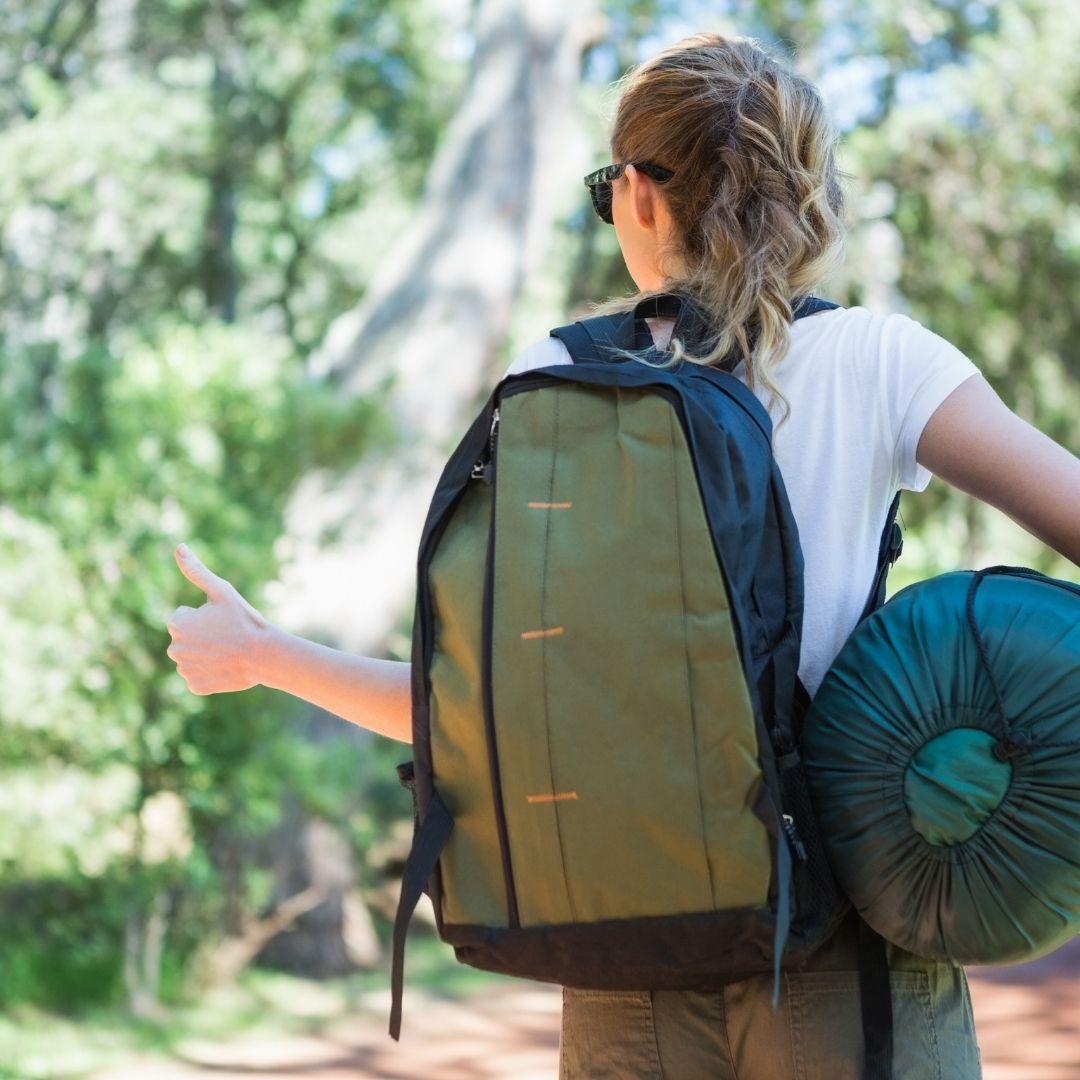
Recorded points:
(263,651)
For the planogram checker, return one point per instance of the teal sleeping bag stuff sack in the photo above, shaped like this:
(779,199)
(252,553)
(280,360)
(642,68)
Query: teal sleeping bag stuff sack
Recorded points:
(943,753)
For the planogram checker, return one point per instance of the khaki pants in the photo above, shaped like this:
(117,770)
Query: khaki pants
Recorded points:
(734,1034)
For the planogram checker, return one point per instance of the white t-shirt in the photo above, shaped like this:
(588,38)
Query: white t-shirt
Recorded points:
(861,388)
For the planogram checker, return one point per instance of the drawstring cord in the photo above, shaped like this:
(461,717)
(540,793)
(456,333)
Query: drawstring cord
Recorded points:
(1012,742)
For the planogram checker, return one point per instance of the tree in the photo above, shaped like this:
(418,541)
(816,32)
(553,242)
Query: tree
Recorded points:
(432,325)
(200,430)
(172,202)
(429,331)
(976,182)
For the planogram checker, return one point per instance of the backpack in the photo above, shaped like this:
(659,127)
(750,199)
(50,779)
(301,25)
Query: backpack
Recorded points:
(606,778)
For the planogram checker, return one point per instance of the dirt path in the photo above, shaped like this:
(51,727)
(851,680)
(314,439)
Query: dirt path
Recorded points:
(1028,1020)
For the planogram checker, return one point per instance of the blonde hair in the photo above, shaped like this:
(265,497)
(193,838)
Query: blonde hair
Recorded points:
(756,198)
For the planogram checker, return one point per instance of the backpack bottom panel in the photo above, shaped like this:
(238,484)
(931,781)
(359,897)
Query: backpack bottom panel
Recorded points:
(685,952)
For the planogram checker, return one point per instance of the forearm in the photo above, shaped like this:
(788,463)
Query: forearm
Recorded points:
(1049,506)
(975,443)
(374,694)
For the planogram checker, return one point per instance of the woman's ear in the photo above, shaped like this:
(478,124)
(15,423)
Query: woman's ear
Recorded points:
(642,197)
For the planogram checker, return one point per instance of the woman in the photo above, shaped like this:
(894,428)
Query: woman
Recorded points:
(725,189)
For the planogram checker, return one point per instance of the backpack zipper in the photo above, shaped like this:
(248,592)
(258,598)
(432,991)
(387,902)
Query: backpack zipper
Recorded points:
(484,470)
(797,846)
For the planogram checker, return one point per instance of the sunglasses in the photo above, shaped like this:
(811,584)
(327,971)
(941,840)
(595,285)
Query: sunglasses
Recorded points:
(599,183)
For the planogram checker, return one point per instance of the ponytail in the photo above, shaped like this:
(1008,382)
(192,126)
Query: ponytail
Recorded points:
(756,198)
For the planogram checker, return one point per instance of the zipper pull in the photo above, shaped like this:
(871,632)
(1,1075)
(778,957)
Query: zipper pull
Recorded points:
(484,469)
(793,838)
(481,471)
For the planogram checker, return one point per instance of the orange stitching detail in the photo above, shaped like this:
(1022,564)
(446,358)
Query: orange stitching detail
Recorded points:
(562,796)
(555,631)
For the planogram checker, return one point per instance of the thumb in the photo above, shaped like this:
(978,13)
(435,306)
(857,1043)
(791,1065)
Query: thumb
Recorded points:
(193,569)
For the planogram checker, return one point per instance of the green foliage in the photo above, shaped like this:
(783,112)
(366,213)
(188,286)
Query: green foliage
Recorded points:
(190,194)
(62,942)
(247,161)
(200,433)
(978,184)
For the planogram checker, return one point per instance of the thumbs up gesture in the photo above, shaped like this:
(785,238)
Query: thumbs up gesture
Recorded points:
(216,647)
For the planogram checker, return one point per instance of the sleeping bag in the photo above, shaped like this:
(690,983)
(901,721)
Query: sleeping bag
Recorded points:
(943,752)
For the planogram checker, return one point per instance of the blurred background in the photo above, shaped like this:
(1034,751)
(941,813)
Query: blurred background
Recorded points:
(259,262)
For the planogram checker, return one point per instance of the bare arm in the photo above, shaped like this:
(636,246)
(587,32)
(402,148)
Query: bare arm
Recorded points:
(227,645)
(976,443)
(375,694)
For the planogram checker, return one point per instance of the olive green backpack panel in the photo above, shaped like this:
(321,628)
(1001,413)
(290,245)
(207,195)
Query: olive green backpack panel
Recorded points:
(605,685)
(473,887)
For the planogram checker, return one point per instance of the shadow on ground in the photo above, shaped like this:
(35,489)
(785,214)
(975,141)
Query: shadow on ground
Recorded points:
(1028,1019)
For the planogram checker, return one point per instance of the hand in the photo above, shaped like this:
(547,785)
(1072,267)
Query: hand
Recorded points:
(216,647)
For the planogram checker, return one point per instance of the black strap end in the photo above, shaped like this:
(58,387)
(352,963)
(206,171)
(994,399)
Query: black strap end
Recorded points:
(428,843)
(875,992)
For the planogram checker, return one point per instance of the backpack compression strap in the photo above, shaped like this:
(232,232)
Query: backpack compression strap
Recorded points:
(875,998)
(429,841)
(889,550)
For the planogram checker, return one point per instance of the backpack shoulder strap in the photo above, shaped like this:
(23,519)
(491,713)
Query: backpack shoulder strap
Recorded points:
(589,341)
(889,550)
(811,305)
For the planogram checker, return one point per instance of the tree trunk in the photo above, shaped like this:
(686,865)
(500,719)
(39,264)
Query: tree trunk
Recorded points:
(220,276)
(220,962)
(433,321)
(431,324)
(144,941)
(312,854)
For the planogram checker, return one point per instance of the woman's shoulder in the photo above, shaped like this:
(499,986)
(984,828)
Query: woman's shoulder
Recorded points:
(847,340)
(870,347)
(547,352)
(864,327)
(860,325)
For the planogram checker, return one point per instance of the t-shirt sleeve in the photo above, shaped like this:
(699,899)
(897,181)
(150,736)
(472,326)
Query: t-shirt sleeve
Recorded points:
(547,352)
(920,370)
